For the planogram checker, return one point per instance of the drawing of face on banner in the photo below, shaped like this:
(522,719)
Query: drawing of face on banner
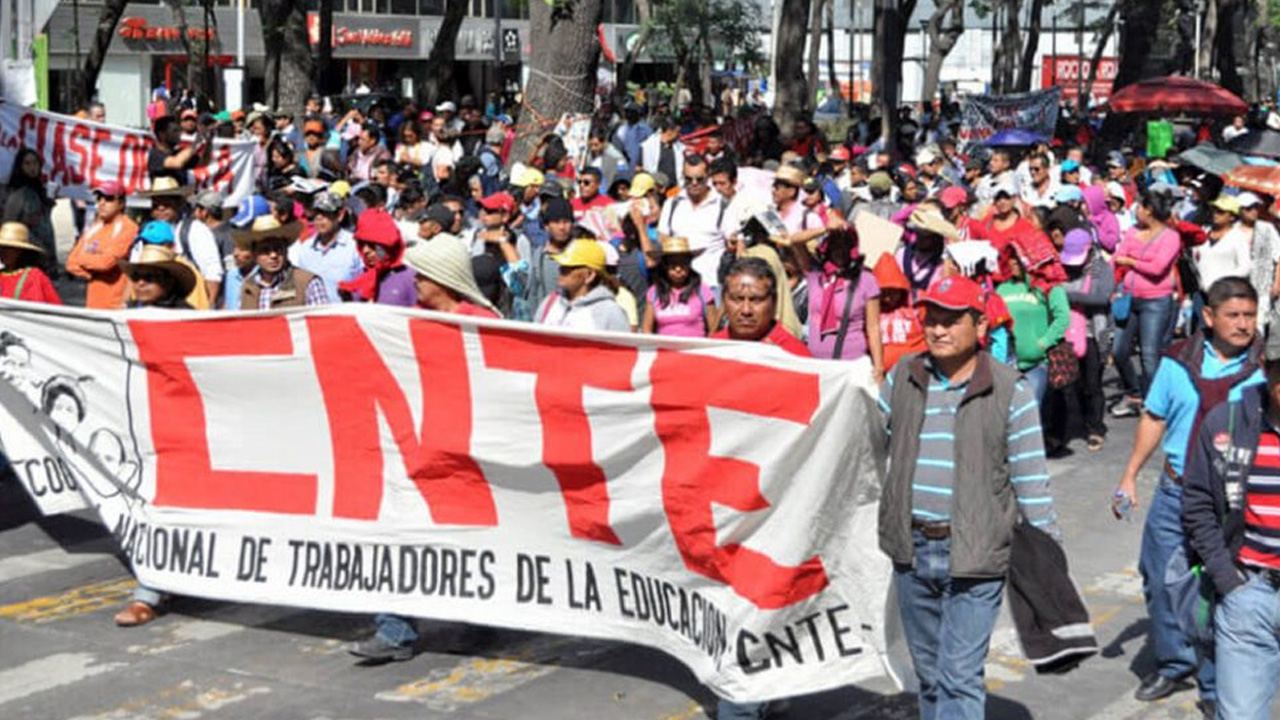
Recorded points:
(64,431)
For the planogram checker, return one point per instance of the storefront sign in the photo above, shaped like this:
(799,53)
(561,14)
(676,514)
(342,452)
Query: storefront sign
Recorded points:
(361,34)
(1071,74)
(137,29)
(447,467)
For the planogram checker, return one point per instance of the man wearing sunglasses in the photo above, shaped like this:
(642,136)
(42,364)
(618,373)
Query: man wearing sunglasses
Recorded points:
(1043,187)
(589,195)
(698,214)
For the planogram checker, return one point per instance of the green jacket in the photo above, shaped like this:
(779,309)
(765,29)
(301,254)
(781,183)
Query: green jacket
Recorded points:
(1038,323)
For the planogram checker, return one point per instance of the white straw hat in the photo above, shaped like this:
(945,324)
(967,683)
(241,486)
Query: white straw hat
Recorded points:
(446,260)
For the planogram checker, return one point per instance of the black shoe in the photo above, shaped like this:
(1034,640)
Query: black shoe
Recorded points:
(1208,708)
(1156,686)
(377,650)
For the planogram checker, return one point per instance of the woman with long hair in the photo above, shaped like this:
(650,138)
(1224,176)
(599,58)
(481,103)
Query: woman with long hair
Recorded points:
(678,303)
(29,203)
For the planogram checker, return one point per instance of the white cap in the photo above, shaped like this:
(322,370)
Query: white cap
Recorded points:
(447,106)
(926,156)
(1116,190)
(1248,199)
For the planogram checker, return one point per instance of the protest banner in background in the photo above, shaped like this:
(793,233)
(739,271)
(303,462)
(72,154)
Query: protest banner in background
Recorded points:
(982,116)
(713,500)
(78,155)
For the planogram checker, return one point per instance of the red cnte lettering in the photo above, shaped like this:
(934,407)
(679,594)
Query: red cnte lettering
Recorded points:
(58,173)
(357,384)
(184,475)
(565,366)
(76,170)
(100,136)
(26,124)
(692,479)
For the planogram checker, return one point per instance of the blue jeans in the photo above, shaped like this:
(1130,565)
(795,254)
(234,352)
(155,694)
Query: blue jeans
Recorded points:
(729,710)
(1038,378)
(1176,655)
(1247,636)
(948,623)
(144,594)
(396,629)
(1151,324)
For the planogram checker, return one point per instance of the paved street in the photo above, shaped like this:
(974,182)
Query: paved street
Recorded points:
(61,657)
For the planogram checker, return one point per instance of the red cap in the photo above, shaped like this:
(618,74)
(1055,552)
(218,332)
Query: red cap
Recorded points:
(956,293)
(378,227)
(189,113)
(953,196)
(425,115)
(840,153)
(907,169)
(109,188)
(498,201)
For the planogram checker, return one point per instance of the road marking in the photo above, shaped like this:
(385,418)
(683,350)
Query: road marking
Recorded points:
(49,672)
(1125,583)
(180,632)
(43,561)
(184,701)
(77,601)
(480,679)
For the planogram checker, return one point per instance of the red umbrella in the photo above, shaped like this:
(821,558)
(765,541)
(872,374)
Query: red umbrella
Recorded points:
(1256,178)
(1176,94)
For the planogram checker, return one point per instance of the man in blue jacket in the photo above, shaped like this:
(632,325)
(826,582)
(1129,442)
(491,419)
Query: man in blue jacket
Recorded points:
(1231,512)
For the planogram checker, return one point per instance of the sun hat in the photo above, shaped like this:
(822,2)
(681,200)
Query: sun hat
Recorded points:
(968,254)
(165,186)
(927,220)
(1068,193)
(446,260)
(266,227)
(788,174)
(953,196)
(162,257)
(583,253)
(16,235)
(676,245)
(328,202)
(523,176)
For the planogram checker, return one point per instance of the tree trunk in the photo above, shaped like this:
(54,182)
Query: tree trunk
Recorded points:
(1107,26)
(942,40)
(1208,39)
(440,84)
(288,67)
(1230,27)
(327,81)
(644,13)
(792,100)
(1264,49)
(813,71)
(709,61)
(563,72)
(180,20)
(1140,16)
(1008,50)
(832,79)
(1027,67)
(108,19)
(890,20)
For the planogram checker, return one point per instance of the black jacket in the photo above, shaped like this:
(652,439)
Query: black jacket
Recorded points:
(1218,463)
(1048,611)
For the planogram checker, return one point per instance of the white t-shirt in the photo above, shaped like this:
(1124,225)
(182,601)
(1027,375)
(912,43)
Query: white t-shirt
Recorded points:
(703,225)
(1225,258)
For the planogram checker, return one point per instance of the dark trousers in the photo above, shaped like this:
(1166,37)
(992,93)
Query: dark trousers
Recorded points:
(1088,393)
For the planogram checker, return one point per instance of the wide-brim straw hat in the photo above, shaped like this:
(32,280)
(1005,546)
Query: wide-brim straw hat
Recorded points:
(446,260)
(16,235)
(678,246)
(162,257)
(266,227)
(166,186)
(789,174)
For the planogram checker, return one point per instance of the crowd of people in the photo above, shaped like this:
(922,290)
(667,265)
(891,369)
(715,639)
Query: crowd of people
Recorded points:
(1020,275)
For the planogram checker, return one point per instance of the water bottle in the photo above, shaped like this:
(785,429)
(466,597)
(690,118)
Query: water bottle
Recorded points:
(1123,504)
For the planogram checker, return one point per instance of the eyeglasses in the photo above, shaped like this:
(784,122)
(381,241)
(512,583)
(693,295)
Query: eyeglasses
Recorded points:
(695,179)
(272,250)
(587,181)
(1036,168)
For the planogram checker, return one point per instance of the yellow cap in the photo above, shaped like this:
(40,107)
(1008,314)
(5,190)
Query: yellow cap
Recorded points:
(583,253)
(1226,203)
(526,176)
(642,184)
(341,188)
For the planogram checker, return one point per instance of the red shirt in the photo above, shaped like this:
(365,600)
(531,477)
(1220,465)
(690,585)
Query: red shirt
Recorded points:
(1262,503)
(580,208)
(1000,238)
(777,336)
(35,286)
(467,308)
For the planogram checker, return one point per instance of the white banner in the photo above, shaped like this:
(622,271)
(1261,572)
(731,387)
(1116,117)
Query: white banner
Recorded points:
(79,154)
(713,500)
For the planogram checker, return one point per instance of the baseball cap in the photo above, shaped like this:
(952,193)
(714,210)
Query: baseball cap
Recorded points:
(439,214)
(495,135)
(642,184)
(956,292)
(1115,158)
(880,181)
(447,106)
(1226,203)
(328,202)
(583,253)
(926,156)
(551,188)
(249,209)
(1005,188)
(840,154)
(953,196)
(1070,166)
(209,200)
(556,208)
(1075,247)
(1116,190)
(1248,199)
(1068,193)
(524,176)
(109,188)
(188,113)
(498,201)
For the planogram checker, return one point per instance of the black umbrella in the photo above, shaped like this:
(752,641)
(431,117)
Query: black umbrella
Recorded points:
(1263,143)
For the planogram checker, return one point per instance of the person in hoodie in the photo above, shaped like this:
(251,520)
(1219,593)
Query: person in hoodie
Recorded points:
(584,300)
(901,333)
(1090,282)
(1105,225)
(386,280)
